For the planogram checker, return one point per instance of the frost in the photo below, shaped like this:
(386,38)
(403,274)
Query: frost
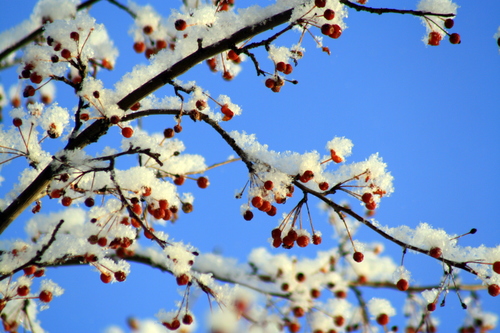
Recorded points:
(378,306)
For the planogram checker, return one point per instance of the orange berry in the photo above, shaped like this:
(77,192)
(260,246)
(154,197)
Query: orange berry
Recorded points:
(45,296)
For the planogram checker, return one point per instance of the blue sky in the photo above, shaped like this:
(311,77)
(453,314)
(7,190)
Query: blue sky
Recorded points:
(432,113)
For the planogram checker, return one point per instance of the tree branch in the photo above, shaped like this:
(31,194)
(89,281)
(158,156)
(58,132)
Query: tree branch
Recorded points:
(381,11)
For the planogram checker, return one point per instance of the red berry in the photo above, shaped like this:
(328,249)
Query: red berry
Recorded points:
(168,133)
(147,29)
(84,116)
(270,83)
(65,53)
(114,119)
(371,205)
(288,69)
(358,256)
(402,284)
(187,207)
(66,201)
(303,240)
(180,25)
(298,312)
(202,182)
(434,38)
(323,186)
(277,242)
(436,252)
(257,202)
(265,207)
(327,29)
(494,290)
(127,132)
(102,241)
(276,233)
(320,3)
(159,213)
(280,66)
(120,276)
(148,233)
(35,78)
(17,122)
(29,91)
(306,176)
(272,211)
(449,23)
(106,278)
(455,38)
(337,31)
(496,267)
(182,280)
(201,104)
(383,319)
(74,36)
(339,320)
(317,239)
(29,270)
(96,94)
(163,203)
(248,215)
(367,197)
(23,290)
(431,306)
(268,185)
(137,208)
(45,296)
(54,58)
(93,239)
(136,106)
(161,44)
(139,47)
(232,55)
(226,110)
(89,202)
(179,180)
(187,319)
(329,14)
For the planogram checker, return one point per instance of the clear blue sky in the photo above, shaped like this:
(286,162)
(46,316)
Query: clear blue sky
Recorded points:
(431,112)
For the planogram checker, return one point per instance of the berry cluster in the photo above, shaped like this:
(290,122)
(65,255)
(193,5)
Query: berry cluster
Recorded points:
(435,37)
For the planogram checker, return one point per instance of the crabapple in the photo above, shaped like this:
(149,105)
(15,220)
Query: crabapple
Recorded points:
(89,202)
(127,132)
(45,296)
(120,276)
(202,182)
(449,23)
(434,38)
(316,239)
(358,256)
(106,278)
(139,47)
(320,3)
(147,29)
(257,202)
(17,122)
(494,290)
(74,36)
(66,201)
(436,252)
(23,290)
(455,38)
(180,25)
(29,91)
(329,14)
(402,284)
(187,319)
(65,53)
(248,215)
(182,280)
(383,319)
(496,267)
(179,180)
(303,240)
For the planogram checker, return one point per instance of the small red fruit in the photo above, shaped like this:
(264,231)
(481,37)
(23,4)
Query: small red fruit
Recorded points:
(74,36)
(317,239)
(45,296)
(436,252)
(29,91)
(187,319)
(268,185)
(65,53)
(270,83)
(276,233)
(298,312)
(29,270)
(147,29)
(17,122)
(306,176)
(449,23)
(431,306)
(180,25)
(455,38)
(66,201)
(106,278)
(434,38)
(84,116)
(383,319)
(177,128)
(35,78)
(202,182)
(272,211)
(120,276)
(303,241)
(358,256)
(339,320)
(148,233)
(139,47)
(496,267)
(402,284)
(182,280)
(323,186)
(337,31)
(201,104)
(39,273)
(371,205)
(232,55)
(329,14)
(320,3)
(248,215)
(114,119)
(168,133)
(127,132)
(494,290)
(89,202)
(23,290)
(102,241)
(367,197)
(257,201)
(136,106)
(137,208)
(179,180)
